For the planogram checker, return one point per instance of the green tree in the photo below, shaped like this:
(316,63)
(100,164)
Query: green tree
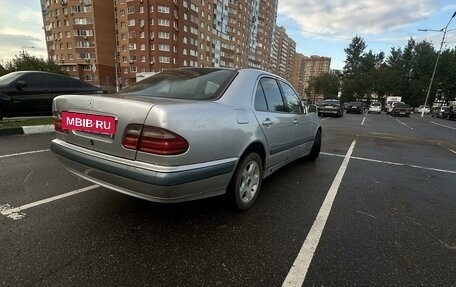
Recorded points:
(327,84)
(26,62)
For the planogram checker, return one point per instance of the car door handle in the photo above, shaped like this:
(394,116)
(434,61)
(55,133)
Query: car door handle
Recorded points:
(267,122)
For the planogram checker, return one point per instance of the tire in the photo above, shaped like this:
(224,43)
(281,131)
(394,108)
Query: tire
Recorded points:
(315,151)
(246,182)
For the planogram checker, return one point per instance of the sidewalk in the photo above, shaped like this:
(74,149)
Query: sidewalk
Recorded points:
(26,130)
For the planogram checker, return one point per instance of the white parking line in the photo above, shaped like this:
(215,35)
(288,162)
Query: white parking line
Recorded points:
(443,125)
(15,212)
(447,148)
(404,124)
(393,163)
(362,123)
(24,153)
(298,271)
(324,119)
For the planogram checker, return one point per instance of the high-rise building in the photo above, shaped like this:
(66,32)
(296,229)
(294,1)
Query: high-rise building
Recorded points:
(80,37)
(282,54)
(305,68)
(101,41)
(153,35)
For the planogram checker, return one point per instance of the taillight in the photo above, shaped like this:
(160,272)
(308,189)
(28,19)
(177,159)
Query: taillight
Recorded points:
(57,121)
(154,140)
(131,136)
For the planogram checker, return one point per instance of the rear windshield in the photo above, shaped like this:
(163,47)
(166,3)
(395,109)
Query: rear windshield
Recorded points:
(191,84)
(402,106)
(375,104)
(330,102)
(356,104)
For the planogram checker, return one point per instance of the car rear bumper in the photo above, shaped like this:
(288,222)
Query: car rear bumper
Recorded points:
(146,181)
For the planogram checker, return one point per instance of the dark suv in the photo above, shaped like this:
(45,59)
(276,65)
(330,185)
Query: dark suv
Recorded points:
(30,93)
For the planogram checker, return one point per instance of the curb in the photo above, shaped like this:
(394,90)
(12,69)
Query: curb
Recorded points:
(27,130)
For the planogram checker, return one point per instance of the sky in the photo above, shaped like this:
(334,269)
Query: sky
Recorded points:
(319,27)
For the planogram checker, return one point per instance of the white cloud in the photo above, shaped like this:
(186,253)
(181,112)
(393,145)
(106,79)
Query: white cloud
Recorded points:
(345,18)
(21,27)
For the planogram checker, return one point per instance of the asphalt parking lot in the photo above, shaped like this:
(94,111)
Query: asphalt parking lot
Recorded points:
(378,208)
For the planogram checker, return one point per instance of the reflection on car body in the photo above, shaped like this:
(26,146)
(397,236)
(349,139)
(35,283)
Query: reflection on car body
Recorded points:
(30,93)
(188,133)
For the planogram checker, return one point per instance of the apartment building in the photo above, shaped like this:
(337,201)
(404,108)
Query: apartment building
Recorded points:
(128,40)
(282,54)
(80,37)
(153,35)
(305,68)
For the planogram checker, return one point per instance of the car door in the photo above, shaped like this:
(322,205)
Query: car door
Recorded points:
(30,91)
(304,128)
(274,120)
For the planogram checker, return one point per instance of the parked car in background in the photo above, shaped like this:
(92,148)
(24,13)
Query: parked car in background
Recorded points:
(355,107)
(435,112)
(401,110)
(185,134)
(375,107)
(391,106)
(30,93)
(444,111)
(330,107)
(451,113)
(420,109)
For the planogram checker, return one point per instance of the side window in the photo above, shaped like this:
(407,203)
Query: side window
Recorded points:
(293,102)
(260,100)
(35,81)
(273,95)
(59,83)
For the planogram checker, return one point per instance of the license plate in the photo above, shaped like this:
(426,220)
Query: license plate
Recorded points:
(88,123)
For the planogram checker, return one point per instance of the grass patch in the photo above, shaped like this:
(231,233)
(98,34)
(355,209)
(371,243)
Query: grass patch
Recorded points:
(12,123)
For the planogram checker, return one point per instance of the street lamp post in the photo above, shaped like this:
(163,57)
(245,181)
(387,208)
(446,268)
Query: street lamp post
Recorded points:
(444,30)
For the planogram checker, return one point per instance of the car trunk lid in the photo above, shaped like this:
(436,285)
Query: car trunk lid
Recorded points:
(114,113)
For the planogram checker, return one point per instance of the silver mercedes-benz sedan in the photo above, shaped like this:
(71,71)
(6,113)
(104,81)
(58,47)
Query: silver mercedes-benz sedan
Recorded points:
(186,134)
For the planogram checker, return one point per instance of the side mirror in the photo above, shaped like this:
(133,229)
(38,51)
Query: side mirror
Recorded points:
(21,84)
(312,109)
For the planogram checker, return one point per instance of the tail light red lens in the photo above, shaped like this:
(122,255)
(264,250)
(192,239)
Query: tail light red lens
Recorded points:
(154,140)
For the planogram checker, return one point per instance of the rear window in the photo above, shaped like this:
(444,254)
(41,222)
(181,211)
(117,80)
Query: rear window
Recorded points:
(375,104)
(191,84)
(402,106)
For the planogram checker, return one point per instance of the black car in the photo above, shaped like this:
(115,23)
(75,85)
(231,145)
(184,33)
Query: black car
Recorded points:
(451,113)
(331,107)
(355,107)
(30,93)
(401,110)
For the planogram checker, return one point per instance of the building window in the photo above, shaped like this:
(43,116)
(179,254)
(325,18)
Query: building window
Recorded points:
(131,22)
(163,35)
(131,10)
(163,22)
(163,9)
(163,59)
(133,69)
(163,47)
